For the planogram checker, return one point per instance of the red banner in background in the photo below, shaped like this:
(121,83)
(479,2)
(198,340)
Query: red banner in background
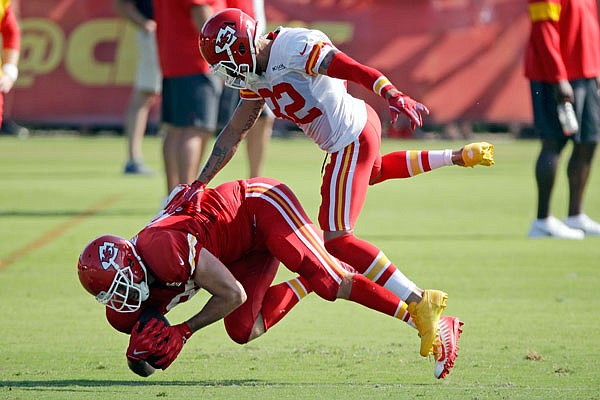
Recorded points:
(77,64)
(463,59)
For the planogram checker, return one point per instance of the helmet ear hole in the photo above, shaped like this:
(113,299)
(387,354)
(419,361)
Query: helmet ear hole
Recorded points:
(242,49)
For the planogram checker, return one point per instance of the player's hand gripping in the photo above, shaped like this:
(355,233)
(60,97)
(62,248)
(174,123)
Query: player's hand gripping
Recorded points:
(174,338)
(143,343)
(400,103)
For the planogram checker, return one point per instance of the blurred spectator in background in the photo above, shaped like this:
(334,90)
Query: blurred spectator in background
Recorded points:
(11,49)
(10,127)
(258,137)
(190,94)
(458,129)
(147,83)
(563,64)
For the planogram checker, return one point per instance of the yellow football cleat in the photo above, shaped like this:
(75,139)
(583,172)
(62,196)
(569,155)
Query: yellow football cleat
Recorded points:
(426,316)
(480,153)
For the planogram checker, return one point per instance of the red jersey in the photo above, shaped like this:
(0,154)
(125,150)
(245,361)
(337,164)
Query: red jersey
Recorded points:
(564,42)
(177,36)
(9,28)
(169,245)
(234,222)
(244,5)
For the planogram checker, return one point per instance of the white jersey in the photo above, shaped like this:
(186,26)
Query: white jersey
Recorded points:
(292,88)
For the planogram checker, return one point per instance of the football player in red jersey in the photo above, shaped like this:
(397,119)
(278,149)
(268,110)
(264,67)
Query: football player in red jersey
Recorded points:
(301,76)
(229,241)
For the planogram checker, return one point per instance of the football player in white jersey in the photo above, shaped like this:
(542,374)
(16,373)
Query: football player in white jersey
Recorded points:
(301,76)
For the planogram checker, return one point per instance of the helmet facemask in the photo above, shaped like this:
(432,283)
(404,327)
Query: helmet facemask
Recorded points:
(124,294)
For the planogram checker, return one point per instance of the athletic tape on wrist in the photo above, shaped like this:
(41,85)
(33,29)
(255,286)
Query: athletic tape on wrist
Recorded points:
(11,71)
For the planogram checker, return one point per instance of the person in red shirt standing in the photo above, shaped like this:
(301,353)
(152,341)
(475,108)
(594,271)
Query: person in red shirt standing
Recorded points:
(190,93)
(562,63)
(11,50)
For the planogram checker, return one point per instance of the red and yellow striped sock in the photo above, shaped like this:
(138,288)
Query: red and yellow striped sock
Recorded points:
(281,298)
(375,297)
(405,164)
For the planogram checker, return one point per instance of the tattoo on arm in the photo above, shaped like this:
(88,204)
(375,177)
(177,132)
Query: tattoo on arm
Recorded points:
(253,116)
(327,61)
(217,160)
(228,142)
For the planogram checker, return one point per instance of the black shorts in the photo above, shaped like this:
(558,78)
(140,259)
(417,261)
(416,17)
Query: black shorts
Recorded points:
(191,100)
(227,105)
(587,109)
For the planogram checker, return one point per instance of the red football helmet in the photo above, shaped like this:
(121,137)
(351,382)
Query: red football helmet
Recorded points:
(110,269)
(228,44)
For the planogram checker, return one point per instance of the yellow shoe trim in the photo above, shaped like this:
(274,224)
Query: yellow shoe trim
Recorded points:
(480,153)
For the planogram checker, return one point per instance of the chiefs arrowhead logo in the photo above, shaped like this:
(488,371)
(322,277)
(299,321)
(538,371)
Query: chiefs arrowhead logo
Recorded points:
(225,39)
(107,254)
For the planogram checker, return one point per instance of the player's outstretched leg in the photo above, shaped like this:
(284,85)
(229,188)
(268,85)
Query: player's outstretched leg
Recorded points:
(446,347)
(426,316)
(409,163)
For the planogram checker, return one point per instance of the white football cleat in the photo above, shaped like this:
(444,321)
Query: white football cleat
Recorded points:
(446,348)
(584,223)
(553,227)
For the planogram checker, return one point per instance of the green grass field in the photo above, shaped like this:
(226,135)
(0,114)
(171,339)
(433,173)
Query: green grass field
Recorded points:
(529,306)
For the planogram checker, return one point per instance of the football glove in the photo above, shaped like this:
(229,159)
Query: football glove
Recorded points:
(174,339)
(145,342)
(400,103)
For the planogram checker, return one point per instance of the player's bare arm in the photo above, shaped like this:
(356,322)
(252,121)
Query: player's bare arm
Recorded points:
(129,11)
(200,13)
(227,293)
(243,119)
